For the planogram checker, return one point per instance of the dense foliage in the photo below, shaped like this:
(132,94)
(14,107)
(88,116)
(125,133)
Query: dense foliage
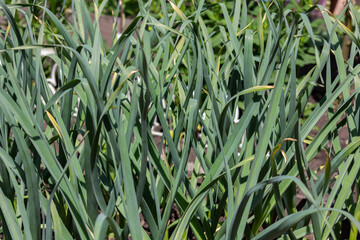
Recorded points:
(233,154)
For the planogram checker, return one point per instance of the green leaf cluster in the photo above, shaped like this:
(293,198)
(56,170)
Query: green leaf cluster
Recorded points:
(235,152)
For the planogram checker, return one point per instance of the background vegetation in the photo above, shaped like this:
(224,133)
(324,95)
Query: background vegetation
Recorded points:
(228,89)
